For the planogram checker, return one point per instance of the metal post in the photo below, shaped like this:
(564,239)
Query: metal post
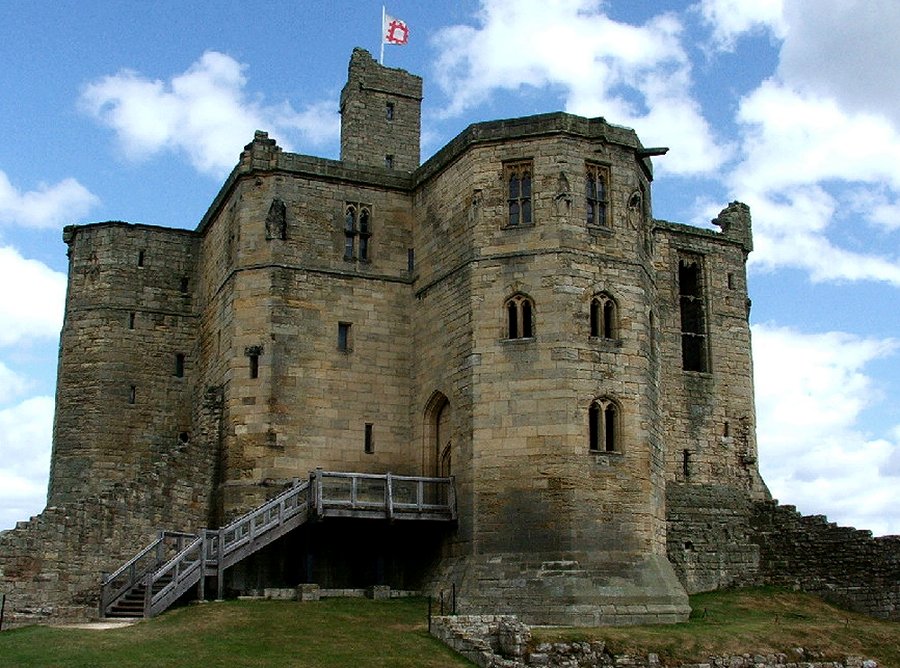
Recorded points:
(220,567)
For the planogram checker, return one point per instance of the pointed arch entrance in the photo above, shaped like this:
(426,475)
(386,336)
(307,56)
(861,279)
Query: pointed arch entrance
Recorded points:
(437,448)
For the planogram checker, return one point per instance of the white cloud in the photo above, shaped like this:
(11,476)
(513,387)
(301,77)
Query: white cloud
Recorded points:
(846,50)
(204,112)
(635,75)
(731,19)
(32,298)
(12,384)
(25,441)
(811,390)
(49,206)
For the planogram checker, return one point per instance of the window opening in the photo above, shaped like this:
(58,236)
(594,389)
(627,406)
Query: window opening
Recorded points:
(603,426)
(254,366)
(603,317)
(730,281)
(131,320)
(357,231)
(140,258)
(686,463)
(132,394)
(369,446)
(410,259)
(518,180)
(184,284)
(389,161)
(179,365)
(389,111)
(184,437)
(726,430)
(343,342)
(597,195)
(519,317)
(693,316)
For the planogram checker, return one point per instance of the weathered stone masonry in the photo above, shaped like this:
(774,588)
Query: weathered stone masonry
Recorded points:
(508,313)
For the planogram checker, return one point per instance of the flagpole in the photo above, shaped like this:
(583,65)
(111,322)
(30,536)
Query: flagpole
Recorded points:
(381,37)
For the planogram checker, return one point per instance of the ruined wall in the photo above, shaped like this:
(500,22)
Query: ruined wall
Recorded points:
(709,411)
(718,537)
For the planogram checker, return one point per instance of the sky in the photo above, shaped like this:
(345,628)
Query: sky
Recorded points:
(137,111)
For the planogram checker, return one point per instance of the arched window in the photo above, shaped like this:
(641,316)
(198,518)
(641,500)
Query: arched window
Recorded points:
(518,182)
(357,231)
(596,192)
(519,317)
(604,323)
(603,426)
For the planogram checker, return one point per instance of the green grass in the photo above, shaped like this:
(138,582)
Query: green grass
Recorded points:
(363,634)
(758,621)
(323,634)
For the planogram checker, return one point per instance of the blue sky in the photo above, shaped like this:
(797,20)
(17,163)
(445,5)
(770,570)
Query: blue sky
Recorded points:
(137,111)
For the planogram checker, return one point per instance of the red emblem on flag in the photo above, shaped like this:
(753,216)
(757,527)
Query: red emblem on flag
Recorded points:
(395,31)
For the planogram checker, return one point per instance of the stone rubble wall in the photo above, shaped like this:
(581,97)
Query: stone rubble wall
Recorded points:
(719,538)
(502,641)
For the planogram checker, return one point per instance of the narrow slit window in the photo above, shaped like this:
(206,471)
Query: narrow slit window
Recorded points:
(132,394)
(254,365)
(131,320)
(410,259)
(389,111)
(389,161)
(179,365)
(369,445)
(343,342)
(140,259)
(184,284)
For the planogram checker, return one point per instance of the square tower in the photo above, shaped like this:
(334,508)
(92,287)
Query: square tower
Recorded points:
(380,115)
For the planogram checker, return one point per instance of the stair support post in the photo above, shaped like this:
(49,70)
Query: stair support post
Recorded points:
(220,567)
(148,593)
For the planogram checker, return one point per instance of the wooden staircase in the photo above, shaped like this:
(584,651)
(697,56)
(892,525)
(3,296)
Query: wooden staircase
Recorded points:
(174,563)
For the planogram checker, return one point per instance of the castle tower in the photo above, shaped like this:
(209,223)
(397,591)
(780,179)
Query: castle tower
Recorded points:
(380,115)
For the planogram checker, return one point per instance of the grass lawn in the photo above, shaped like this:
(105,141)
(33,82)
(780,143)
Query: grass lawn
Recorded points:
(363,634)
(322,634)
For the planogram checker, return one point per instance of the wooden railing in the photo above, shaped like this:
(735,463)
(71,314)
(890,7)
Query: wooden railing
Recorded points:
(167,572)
(114,585)
(383,496)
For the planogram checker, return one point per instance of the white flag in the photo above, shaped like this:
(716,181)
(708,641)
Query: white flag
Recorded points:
(394,31)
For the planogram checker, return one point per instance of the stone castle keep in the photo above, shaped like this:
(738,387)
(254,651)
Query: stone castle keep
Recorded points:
(508,315)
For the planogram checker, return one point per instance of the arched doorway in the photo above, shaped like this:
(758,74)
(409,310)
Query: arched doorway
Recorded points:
(437,449)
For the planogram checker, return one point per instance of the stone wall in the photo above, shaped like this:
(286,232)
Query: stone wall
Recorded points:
(502,641)
(718,537)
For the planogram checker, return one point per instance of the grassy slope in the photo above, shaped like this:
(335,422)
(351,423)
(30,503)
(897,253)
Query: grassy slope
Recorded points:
(758,621)
(353,632)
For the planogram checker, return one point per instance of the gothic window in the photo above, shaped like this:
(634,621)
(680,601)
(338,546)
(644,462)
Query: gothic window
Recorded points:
(694,355)
(603,426)
(603,317)
(596,195)
(518,181)
(519,317)
(357,231)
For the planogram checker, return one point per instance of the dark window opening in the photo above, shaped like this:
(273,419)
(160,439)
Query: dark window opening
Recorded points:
(603,317)
(140,258)
(179,365)
(389,161)
(389,111)
(132,394)
(726,430)
(410,259)
(597,196)
(343,342)
(686,463)
(254,365)
(519,317)
(731,281)
(518,179)
(369,446)
(184,437)
(603,426)
(184,284)
(693,317)
(131,320)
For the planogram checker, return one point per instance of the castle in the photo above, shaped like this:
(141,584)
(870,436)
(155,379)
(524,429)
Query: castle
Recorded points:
(508,315)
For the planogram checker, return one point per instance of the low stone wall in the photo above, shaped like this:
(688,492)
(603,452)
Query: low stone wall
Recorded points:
(718,538)
(502,641)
